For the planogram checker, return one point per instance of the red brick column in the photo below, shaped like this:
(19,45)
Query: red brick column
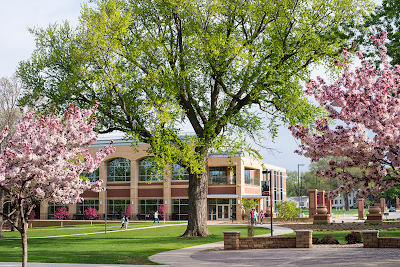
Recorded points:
(304,239)
(397,204)
(383,202)
(370,238)
(312,196)
(360,203)
(231,240)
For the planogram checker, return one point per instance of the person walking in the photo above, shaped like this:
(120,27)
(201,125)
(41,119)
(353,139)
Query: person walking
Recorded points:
(261,217)
(126,222)
(255,216)
(123,222)
(156,217)
(252,216)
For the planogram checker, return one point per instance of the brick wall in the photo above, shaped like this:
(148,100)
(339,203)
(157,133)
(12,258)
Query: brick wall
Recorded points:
(371,239)
(233,241)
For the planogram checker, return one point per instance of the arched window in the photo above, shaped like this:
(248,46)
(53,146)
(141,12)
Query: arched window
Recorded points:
(149,171)
(119,170)
(179,173)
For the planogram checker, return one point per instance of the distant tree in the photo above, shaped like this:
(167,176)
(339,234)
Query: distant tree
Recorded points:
(162,209)
(287,210)
(385,17)
(128,211)
(10,89)
(90,213)
(43,162)
(61,213)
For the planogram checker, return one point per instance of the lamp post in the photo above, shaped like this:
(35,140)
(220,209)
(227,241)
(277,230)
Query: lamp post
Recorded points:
(298,182)
(105,213)
(270,196)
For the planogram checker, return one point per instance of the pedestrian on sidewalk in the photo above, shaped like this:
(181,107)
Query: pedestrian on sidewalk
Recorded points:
(252,216)
(261,217)
(255,216)
(156,217)
(123,222)
(126,222)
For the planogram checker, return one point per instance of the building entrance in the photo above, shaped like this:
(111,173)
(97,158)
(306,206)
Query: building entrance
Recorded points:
(222,212)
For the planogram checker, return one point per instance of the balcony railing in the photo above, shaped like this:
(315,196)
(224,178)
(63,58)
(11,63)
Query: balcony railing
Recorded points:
(252,181)
(222,180)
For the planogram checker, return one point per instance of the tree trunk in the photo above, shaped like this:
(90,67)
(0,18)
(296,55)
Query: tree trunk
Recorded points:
(1,211)
(24,240)
(197,213)
(346,201)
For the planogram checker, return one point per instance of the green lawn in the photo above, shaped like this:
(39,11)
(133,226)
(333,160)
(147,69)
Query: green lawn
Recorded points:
(340,236)
(123,247)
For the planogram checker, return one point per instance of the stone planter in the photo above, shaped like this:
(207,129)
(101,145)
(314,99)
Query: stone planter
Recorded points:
(374,210)
(322,210)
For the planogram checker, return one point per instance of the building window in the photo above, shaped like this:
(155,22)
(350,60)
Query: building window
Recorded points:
(180,209)
(119,170)
(250,178)
(52,208)
(93,176)
(117,206)
(179,173)
(275,191)
(221,175)
(149,171)
(81,207)
(149,206)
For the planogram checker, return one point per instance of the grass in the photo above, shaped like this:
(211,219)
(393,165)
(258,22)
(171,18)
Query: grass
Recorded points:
(340,235)
(115,247)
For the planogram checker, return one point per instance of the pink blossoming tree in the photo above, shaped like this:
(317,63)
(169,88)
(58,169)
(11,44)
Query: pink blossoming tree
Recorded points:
(366,101)
(44,160)
(90,213)
(162,209)
(61,213)
(128,211)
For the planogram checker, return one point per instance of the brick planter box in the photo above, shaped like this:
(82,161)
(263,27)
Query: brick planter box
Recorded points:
(372,240)
(233,241)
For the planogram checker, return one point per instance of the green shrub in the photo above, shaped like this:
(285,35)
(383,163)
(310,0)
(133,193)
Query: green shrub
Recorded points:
(315,240)
(329,239)
(353,238)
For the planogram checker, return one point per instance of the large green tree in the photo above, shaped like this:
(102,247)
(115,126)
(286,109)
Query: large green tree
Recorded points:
(156,66)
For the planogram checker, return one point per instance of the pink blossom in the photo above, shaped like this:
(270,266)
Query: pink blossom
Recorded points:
(363,100)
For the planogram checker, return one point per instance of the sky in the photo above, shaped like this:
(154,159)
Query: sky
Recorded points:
(17,44)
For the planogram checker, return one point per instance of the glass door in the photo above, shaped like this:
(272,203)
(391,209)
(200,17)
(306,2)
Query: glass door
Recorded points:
(222,212)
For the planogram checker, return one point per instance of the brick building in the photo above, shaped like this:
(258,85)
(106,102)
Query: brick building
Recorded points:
(131,178)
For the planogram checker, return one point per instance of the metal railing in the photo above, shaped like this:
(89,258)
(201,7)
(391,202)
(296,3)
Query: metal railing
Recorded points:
(222,180)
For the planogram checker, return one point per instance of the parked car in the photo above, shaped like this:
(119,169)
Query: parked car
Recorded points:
(392,209)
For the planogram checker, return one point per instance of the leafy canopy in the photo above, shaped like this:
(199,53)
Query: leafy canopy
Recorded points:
(157,66)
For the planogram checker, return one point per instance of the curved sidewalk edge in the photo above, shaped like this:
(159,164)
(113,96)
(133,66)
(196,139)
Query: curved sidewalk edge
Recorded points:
(182,257)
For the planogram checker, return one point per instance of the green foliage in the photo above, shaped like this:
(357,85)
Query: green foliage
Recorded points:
(248,204)
(329,239)
(385,17)
(287,210)
(353,238)
(155,65)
